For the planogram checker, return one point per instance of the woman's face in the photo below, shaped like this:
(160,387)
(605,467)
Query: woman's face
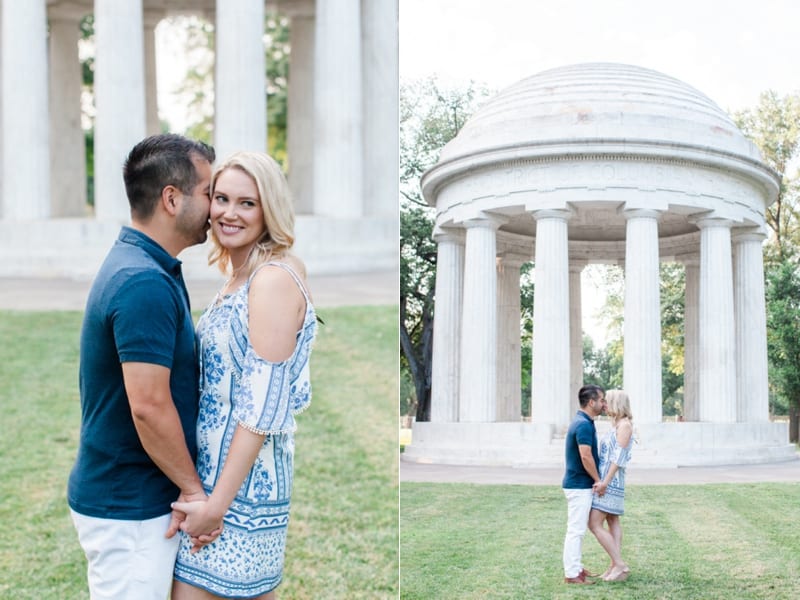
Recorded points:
(237,218)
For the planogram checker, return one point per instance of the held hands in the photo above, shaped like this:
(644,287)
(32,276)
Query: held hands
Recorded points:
(199,518)
(599,488)
(189,514)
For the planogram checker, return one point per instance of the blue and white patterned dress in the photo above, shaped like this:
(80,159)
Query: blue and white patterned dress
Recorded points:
(613,501)
(239,387)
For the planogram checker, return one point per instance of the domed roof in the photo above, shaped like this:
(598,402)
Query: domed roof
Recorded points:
(596,103)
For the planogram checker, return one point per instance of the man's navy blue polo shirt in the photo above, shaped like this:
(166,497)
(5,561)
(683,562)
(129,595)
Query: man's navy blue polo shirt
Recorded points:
(581,432)
(137,311)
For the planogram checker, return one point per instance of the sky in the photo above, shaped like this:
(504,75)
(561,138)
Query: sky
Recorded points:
(731,51)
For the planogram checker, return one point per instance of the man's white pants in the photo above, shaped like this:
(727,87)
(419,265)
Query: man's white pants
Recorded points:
(579,504)
(128,560)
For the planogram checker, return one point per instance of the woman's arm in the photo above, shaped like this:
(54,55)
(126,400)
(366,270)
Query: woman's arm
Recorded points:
(276,310)
(624,433)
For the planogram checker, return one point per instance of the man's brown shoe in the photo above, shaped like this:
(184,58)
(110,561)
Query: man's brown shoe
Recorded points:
(586,573)
(580,580)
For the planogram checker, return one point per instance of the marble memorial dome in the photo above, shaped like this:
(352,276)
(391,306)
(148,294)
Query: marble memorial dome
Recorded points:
(600,103)
(595,137)
(598,163)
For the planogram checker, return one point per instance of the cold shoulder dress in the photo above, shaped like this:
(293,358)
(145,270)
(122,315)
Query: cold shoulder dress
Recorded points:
(613,501)
(239,387)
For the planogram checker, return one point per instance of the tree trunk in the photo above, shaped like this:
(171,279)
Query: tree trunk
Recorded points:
(419,358)
(794,424)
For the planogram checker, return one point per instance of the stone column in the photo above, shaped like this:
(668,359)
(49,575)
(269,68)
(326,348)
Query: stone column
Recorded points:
(67,145)
(751,328)
(447,327)
(300,113)
(151,19)
(550,402)
(575,333)
(1,112)
(717,385)
(381,107)
(691,359)
(642,324)
(338,126)
(478,378)
(25,123)
(240,95)
(119,100)
(509,360)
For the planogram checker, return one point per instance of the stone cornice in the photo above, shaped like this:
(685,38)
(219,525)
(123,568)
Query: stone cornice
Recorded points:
(595,150)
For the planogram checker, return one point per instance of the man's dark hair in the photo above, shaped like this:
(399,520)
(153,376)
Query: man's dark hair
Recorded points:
(159,161)
(589,392)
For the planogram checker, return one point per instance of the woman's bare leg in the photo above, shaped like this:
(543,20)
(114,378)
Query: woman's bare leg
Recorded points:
(615,527)
(606,540)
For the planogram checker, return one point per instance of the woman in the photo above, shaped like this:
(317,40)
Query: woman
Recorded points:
(615,452)
(254,345)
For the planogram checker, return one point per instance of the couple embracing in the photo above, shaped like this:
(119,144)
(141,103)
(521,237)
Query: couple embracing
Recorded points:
(594,482)
(184,471)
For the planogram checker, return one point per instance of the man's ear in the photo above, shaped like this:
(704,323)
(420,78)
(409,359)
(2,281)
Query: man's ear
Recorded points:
(169,199)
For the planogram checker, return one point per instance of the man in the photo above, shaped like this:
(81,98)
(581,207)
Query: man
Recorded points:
(139,378)
(581,479)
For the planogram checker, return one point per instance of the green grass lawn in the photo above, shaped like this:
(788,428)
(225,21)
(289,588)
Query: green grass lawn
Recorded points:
(343,539)
(733,542)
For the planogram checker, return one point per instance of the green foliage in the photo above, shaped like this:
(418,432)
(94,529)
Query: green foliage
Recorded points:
(430,116)
(604,366)
(417,287)
(343,537)
(783,332)
(87,65)
(526,336)
(197,87)
(601,366)
(277,50)
(703,542)
(774,126)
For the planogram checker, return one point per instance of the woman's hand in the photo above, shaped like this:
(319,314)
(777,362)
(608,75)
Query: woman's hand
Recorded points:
(201,522)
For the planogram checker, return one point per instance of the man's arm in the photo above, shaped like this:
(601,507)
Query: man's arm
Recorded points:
(159,427)
(591,468)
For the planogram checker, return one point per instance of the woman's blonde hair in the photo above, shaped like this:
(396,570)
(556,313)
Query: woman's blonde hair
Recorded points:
(618,405)
(273,193)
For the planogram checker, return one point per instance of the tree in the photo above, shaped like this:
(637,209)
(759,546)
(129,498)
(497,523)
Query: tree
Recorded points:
(783,335)
(430,116)
(417,279)
(197,88)
(605,366)
(774,126)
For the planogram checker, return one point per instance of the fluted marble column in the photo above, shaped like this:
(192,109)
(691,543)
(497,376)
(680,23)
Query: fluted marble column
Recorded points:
(751,328)
(447,327)
(119,100)
(338,114)
(381,107)
(1,112)
(300,113)
(151,19)
(509,360)
(642,325)
(478,378)
(67,146)
(25,123)
(575,333)
(717,385)
(550,403)
(240,95)
(691,360)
